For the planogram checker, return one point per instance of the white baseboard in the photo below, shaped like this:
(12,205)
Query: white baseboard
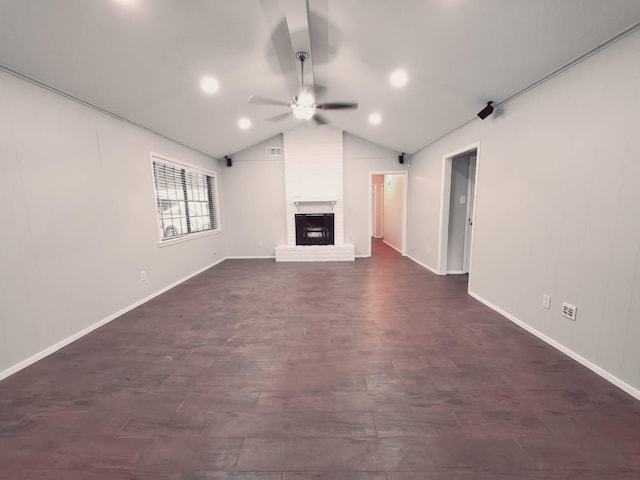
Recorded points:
(392,246)
(424,265)
(634,392)
(456,272)
(249,257)
(63,343)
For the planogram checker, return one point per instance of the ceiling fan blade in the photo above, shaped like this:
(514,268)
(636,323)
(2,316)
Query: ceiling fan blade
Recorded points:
(318,22)
(281,39)
(256,100)
(319,91)
(279,118)
(318,120)
(337,105)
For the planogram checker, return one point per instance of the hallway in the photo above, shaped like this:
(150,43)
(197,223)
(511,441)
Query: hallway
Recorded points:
(370,370)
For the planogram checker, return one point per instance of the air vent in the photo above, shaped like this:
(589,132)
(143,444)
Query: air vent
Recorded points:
(569,311)
(273,151)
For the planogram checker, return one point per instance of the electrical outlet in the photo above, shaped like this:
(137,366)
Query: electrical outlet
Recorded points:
(546,301)
(143,275)
(260,243)
(569,311)
(428,249)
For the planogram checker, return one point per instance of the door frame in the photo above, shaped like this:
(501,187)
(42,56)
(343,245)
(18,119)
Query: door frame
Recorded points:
(405,201)
(377,193)
(443,231)
(468,228)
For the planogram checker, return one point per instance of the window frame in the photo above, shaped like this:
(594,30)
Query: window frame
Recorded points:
(186,168)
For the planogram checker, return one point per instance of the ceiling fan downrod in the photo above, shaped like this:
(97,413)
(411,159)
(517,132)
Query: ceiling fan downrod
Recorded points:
(302,56)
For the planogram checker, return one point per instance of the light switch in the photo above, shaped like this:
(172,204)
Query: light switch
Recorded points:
(463,199)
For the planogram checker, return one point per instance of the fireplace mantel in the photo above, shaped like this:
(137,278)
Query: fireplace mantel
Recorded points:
(314,199)
(297,201)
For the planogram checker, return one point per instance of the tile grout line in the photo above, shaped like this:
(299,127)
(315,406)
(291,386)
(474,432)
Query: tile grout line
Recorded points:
(375,427)
(182,403)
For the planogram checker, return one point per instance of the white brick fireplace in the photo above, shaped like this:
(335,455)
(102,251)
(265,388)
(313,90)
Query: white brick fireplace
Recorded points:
(313,168)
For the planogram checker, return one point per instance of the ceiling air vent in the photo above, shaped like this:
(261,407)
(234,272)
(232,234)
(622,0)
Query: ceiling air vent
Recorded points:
(273,151)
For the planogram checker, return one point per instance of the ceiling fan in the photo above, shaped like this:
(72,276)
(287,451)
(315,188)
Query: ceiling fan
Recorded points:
(303,105)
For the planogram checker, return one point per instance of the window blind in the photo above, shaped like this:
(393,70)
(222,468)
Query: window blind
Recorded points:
(186,199)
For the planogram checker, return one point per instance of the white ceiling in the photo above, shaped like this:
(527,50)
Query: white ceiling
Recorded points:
(144,61)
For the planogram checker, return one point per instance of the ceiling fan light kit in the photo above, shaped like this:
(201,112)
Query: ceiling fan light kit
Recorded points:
(303,112)
(305,99)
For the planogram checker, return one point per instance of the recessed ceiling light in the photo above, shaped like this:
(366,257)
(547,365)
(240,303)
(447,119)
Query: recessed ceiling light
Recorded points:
(209,85)
(398,78)
(127,2)
(244,123)
(375,118)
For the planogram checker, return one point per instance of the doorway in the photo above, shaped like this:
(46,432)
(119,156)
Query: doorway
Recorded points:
(388,209)
(457,211)
(377,210)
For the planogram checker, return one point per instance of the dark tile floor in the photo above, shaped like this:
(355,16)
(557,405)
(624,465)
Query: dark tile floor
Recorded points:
(372,370)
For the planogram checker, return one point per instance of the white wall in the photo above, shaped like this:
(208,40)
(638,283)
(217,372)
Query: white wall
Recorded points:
(78,220)
(393,207)
(558,209)
(361,158)
(254,202)
(246,214)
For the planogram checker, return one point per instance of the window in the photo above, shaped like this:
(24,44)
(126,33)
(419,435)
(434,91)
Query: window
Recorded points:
(186,199)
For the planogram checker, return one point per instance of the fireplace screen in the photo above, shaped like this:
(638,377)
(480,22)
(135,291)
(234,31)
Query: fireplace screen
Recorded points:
(314,229)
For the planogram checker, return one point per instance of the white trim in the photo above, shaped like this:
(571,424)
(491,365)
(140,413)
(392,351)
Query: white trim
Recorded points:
(634,392)
(375,212)
(473,212)
(370,209)
(468,230)
(249,257)
(63,343)
(443,230)
(186,238)
(298,199)
(456,272)
(392,246)
(405,212)
(424,265)
(445,188)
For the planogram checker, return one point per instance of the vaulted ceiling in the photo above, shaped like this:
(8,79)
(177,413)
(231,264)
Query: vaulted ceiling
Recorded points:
(144,59)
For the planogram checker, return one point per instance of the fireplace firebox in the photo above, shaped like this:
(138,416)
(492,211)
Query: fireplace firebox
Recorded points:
(314,229)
